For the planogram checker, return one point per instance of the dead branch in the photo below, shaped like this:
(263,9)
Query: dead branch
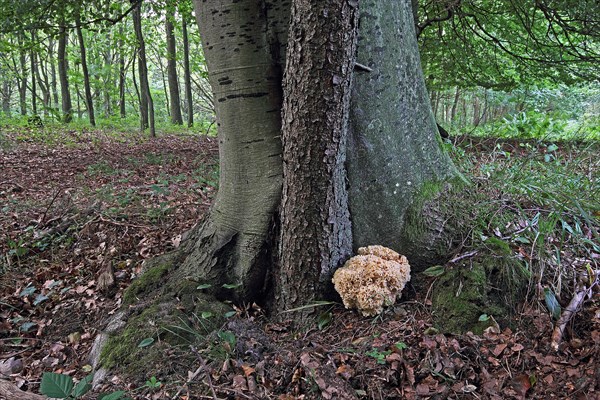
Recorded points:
(10,391)
(566,316)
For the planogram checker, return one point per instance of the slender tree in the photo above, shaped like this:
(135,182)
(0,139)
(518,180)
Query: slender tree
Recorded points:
(65,94)
(89,99)
(187,74)
(146,103)
(175,100)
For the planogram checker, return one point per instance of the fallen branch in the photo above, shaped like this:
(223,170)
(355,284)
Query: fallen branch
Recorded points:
(10,391)
(566,316)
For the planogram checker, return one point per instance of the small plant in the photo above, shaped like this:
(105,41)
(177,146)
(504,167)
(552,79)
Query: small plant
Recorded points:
(61,386)
(153,383)
(379,355)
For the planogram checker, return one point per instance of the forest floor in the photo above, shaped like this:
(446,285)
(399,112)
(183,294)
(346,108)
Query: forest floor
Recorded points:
(86,203)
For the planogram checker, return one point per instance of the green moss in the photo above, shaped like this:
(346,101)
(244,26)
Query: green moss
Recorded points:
(490,285)
(151,279)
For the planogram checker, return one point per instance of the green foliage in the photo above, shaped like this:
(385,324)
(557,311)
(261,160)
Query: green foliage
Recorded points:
(62,386)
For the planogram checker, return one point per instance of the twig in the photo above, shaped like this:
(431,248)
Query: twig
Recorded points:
(204,367)
(567,314)
(466,255)
(43,218)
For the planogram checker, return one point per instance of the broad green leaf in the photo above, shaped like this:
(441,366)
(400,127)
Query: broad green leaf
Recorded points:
(56,385)
(436,270)
(230,314)
(552,303)
(146,342)
(83,386)
(484,317)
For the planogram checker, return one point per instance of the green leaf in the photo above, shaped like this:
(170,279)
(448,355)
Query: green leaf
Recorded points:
(552,147)
(204,286)
(39,299)
(26,326)
(113,396)
(206,314)
(401,346)
(83,386)
(552,303)
(436,270)
(230,314)
(324,320)
(27,291)
(146,342)
(56,385)
(483,318)
(231,285)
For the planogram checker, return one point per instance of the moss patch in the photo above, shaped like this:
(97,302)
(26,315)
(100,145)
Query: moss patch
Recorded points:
(170,324)
(491,285)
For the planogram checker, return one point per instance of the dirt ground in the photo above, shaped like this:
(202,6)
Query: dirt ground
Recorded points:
(70,212)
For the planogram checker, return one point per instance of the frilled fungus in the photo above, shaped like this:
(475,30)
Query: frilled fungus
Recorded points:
(372,279)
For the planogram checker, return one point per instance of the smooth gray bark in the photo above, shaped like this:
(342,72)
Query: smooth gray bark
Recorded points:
(393,148)
(245,73)
(146,102)
(187,74)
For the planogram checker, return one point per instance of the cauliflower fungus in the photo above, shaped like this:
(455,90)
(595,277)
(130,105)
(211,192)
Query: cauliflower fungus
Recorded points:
(372,279)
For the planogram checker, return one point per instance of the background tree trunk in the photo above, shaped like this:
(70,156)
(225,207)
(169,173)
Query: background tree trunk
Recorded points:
(6,94)
(175,105)
(65,94)
(22,79)
(187,75)
(89,100)
(146,103)
(122,72)
(393,149)
(33,70)
(315,224)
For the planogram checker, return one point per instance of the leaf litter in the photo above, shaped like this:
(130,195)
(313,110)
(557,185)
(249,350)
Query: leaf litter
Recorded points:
(72,212)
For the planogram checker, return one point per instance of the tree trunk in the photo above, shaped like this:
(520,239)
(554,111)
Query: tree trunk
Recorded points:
(122,72)
(53,84)
(89,100)
(315,222)
(22,80)
(454,106)
(175,100)
(67,107)
(394,153)
(235,244)
(33,70)
(146,103)
(6,94)
(187,75)
(393,150)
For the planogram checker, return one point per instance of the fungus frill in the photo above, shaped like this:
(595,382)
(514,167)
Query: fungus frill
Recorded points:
(372,279)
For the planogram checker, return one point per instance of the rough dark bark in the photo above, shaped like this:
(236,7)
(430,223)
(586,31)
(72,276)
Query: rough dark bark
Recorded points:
(146,103)
(65,94)
(187,74)
(89,100)
(315,222)
(175,99)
